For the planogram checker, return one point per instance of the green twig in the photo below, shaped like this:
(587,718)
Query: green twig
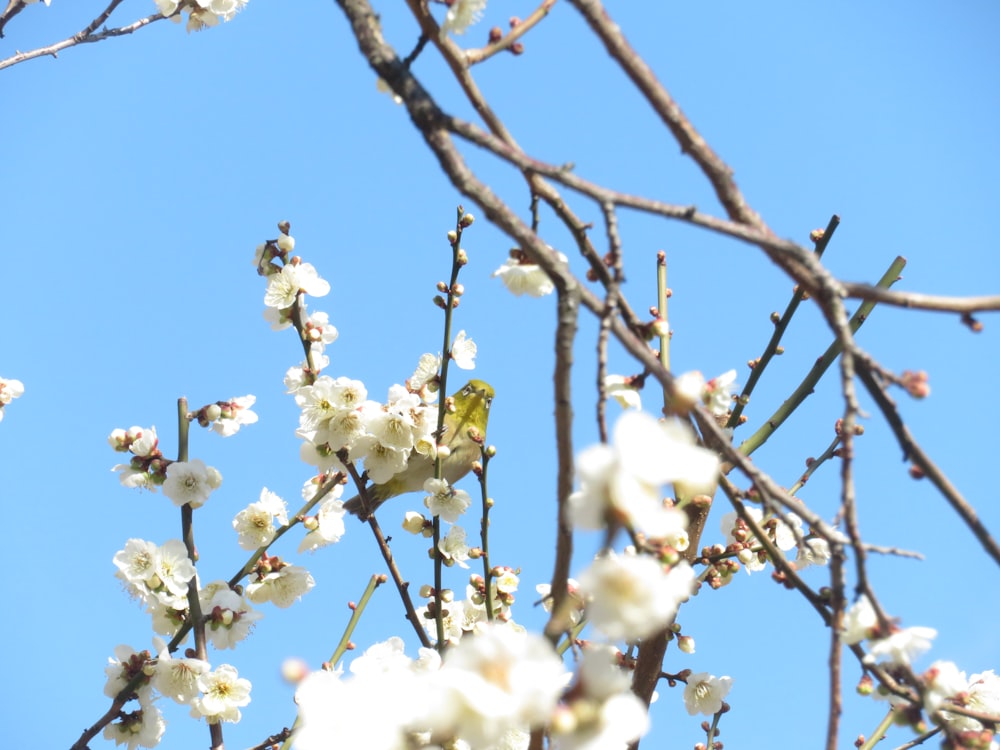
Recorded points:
(780,326)
(807,385)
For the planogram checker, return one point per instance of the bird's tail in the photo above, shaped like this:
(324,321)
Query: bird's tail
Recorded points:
(356,506)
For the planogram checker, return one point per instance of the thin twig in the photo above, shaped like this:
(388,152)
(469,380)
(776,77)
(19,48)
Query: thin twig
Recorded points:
(85,36)
(474,56)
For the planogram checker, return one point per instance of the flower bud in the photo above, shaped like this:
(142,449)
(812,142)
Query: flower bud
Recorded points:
(413,522)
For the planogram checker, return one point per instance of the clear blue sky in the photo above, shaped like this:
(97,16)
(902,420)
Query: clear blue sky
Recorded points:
(139,174)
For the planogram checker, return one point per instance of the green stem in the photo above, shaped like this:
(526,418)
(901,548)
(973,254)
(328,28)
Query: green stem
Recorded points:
(808,384)
(779,330)
(450,302)
(880,731)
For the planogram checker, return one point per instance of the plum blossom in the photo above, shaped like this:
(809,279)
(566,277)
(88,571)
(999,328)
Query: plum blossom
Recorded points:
(177,678)
(498,681)
(282,586)
(143,727)
(327,526)
(234,414)
(521,276)
(9,388)
(903,646)
(463,352)
(632,596)
(444,500)
(283,288)
(190,482)
(230,618)
(223,693)
(255,523)
(603,712)
(461,15)
(625,478)
(704,693)
(622,389)
(453,548)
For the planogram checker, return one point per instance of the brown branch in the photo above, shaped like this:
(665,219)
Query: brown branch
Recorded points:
(13,8)
(474,56)
(913,452)
(690,140)
(86,36)
(914,300)
(568,310)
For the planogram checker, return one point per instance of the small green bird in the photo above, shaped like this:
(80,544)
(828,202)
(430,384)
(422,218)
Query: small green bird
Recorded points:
(464,432)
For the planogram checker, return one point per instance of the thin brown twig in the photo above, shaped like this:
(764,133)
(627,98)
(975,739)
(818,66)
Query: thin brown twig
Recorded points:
(719,174)
(913,452)
(568,312)
(85,36)
(917,301)
(610,310)
(474,56)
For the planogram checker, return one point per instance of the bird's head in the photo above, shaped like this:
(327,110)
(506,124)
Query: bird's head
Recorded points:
(472,404)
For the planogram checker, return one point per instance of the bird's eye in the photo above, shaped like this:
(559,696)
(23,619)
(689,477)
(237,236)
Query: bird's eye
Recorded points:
(467,390)
(489,400)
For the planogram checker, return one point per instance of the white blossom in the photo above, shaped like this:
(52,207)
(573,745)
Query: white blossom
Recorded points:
(143,727)
(444,500)
(463,352)
(224,692)
(632,596)
(283,288)
(282,587)
(190,482)
(461,15)
(255,523)
(523,277)
(704,693)
(178,678)
(235,414)
(622,390)
(626,477)
(328,527)
(903,646)
(497,681)
(453,548)
(230,618)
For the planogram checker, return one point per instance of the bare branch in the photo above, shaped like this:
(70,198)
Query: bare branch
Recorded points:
(88,35)
(918,301)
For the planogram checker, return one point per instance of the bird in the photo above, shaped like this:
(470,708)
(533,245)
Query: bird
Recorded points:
(464,432)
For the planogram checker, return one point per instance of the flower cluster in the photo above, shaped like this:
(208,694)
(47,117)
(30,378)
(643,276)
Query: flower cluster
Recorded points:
(742,547)
(201,13)
(620,483)
(9,390)
(226,417)
(214,695)
(900,646)
(488,689)
(716,394)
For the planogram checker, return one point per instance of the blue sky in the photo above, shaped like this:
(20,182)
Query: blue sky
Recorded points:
(140,173)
